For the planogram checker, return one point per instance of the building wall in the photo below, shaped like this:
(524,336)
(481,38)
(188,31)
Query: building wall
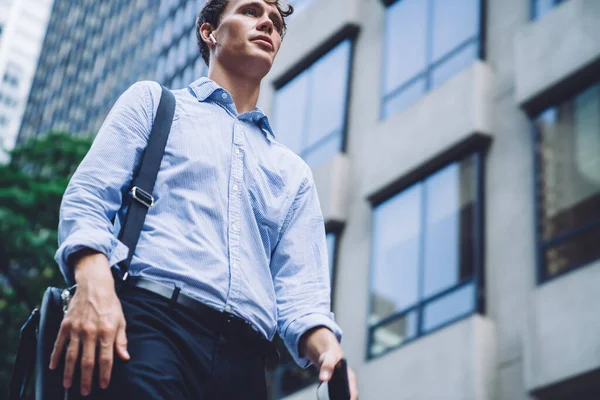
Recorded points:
(524,339)
(511,345)
(23,27)
(92,52)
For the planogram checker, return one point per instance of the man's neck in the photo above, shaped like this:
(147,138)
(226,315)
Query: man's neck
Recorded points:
(244,90)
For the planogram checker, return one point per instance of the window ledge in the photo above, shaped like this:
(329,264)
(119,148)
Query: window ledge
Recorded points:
(460,358)
(560,346)
(332,180)
(441,119)
(557,55)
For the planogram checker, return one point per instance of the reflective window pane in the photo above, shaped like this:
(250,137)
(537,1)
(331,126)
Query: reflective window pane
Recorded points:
(405,42)
(543,7)
(324,150)
(448,243)
(329,82)
(289,116)
(393,334)
(568,184)
(449,307)
(458,62)
(404,98)
(395,254)
(423,253)
(309,111)
(454,22)
(426,43)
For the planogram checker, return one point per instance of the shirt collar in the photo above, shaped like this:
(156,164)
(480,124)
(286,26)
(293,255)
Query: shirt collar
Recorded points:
(205,88)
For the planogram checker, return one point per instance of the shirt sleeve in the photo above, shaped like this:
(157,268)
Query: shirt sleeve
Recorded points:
(300,270)
(95,192)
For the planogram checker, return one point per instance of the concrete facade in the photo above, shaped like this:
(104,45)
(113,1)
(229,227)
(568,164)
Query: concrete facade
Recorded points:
(518,345)
(529,336)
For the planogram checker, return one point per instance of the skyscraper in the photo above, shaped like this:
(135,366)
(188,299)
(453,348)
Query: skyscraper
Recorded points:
(22,30)
(92,52)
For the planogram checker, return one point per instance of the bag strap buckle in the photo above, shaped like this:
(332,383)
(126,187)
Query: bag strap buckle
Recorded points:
(143,197)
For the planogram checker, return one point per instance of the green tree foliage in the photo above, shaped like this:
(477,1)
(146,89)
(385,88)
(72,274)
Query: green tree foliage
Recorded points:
(31,189)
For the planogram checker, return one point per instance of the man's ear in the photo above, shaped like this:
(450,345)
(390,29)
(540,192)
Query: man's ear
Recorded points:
(205,30)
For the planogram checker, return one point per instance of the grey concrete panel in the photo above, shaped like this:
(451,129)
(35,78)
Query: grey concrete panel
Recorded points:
(557,45)
(456,362)
(563,327)
(332,180)
(442,118)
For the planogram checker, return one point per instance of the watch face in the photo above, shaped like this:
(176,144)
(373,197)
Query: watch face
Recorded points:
(323,391)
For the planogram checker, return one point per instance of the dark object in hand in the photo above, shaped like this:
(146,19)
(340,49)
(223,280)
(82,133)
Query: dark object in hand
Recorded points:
(338,387)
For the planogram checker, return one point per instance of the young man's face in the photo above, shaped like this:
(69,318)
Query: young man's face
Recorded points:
(249,36)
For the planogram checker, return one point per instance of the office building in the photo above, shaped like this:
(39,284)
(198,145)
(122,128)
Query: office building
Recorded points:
(455,147)
(22,30)
(456,151)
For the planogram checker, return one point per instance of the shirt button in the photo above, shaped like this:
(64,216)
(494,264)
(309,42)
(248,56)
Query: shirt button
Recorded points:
(235,264)
(237,150)
(234,227)
(227,308)
(235,188)
(224,96)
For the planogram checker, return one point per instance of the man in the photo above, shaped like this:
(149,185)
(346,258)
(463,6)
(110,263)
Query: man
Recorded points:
(236,226)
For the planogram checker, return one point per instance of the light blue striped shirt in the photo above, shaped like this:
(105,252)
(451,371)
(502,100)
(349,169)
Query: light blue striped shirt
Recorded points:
(236,222)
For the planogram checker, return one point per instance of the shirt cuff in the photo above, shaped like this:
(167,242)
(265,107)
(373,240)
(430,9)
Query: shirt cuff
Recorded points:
(96,239)
(300,326)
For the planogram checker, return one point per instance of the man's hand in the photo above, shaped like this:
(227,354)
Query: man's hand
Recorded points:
(322,348)
(94,320)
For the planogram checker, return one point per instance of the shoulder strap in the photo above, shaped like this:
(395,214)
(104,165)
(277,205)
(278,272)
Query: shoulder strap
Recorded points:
(145,178)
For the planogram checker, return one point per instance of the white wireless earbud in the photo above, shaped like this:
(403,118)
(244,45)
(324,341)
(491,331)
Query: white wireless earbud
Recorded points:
(212,38)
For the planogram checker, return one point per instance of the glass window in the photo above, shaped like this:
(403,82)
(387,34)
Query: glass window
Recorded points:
(190,14)
(200,68)
(423,269)
(167,33)
(310,110)
(192,44)
(178,23)
(567,143)
(170,69)
(426,43)
(182,52)
(539,8)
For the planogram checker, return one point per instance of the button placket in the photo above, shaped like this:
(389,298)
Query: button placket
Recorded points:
(235,217)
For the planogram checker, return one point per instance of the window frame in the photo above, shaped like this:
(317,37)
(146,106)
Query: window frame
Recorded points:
(532,11)
(475,146)
(427,72)
(348,32)
(541,245)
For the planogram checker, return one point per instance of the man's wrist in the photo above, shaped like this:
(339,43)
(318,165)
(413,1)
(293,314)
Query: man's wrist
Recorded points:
(315,342)
(85,260)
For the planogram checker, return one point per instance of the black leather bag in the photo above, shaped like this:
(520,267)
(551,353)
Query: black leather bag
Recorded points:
(39,332)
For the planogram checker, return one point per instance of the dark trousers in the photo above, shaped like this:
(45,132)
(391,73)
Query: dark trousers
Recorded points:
(176,355)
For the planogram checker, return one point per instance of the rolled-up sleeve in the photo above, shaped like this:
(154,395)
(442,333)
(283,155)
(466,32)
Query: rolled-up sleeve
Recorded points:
(300,270)
(95,193)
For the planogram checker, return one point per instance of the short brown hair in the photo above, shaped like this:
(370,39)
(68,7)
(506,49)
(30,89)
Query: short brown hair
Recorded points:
(211,13)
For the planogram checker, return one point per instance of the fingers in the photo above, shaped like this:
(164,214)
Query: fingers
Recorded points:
(121,342)
(105,359)
(88,359)
(328,361)
(61,340)
(70,360)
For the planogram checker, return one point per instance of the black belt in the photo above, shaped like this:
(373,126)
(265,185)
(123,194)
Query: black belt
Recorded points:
(236,329)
